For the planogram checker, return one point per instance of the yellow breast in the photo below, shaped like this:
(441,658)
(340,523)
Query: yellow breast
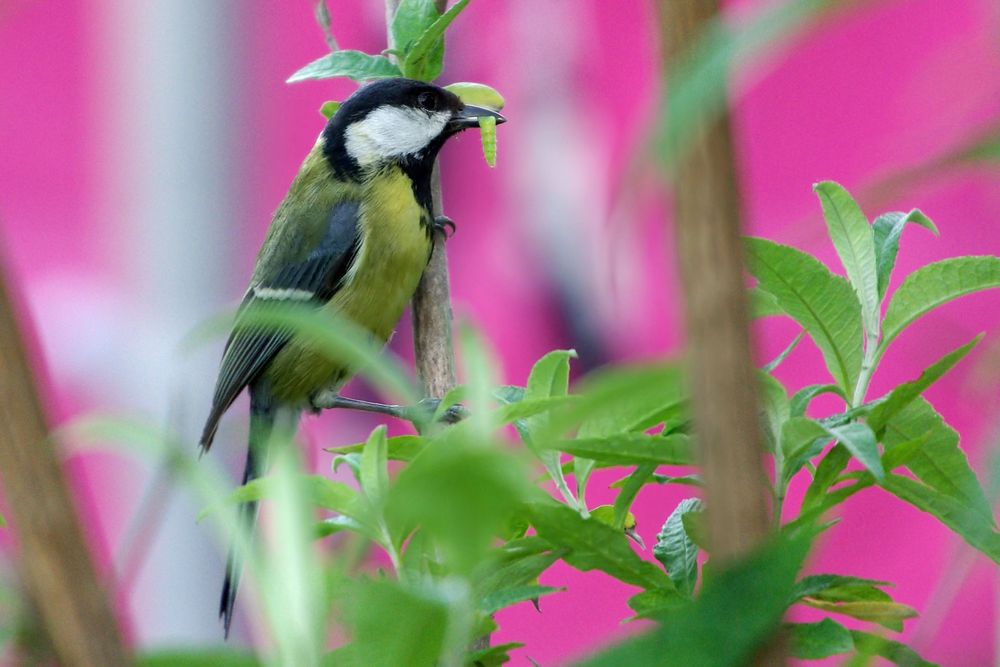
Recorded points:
(395,246)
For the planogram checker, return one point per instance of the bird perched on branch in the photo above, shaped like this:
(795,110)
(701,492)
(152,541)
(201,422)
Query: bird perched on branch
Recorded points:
(352,236)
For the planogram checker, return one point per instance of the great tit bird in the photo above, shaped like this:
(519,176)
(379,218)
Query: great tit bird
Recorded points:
(352,236)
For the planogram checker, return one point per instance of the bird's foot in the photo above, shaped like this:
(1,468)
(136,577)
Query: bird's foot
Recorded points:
(429,407)
(443,224)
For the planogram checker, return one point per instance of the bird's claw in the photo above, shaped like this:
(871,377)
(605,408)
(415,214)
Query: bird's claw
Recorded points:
(453,415)
(443,224)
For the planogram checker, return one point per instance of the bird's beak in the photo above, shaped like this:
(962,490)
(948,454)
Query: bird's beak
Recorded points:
(469,117)
(633,535)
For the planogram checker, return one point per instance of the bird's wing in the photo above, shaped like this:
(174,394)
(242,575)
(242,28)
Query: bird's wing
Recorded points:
(313,279)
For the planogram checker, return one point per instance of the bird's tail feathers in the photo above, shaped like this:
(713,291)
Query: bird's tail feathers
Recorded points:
(262,416)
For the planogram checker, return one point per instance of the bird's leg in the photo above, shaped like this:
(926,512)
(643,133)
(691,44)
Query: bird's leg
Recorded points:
(421,412)
(443,224)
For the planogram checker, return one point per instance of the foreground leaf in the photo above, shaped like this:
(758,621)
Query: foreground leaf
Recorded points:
(492,655)
(197,658)
(934,285)
(815,641)
(352,64)
(822,303)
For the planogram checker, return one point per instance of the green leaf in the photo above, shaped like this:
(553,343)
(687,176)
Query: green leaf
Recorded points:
(822,303)
(815,641)
(508,597)
(411,19)
(823,584)
(747,600)
(352,64)
(934,285)
(424,59)
(518,571)
(801,399)
(905,393)
(419,616)
(374,473)
(322,492)
(398,448)
(852,237)
(801,439)
(887,230)
(550,375)
(477,94)
(652,603)
(763,304)
(631,449)
(197,658)
(977,530)
(872,645)
(859,439)
(888,614)
(491,656)
(686,480)
(939,463)
(676,550)
(826,474)
(593,545)
(774,400)
(627,495)
(328,109)
(774,363)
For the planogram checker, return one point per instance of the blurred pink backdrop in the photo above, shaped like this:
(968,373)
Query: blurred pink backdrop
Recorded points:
(90,123)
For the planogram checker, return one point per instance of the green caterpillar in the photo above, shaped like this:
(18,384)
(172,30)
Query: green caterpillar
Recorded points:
(488,132)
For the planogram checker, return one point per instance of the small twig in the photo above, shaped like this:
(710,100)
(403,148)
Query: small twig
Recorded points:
(323,18)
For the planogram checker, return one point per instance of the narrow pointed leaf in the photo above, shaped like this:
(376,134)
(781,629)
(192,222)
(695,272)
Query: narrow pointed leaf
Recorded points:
(508,597)
(852,237)
(934,285)
(815,641)
(859,439)
(411,19)
(868,644)
(374,473)
(826,475)
(888,614)
(887,230)
(801,399)
(825,305)
(352,64)
(425,57)
(631,449)
(774,363)
(905,393)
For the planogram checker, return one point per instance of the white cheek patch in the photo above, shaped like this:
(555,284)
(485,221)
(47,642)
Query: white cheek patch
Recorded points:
(391,131)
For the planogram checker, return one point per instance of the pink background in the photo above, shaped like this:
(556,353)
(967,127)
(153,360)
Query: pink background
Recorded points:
(872,91)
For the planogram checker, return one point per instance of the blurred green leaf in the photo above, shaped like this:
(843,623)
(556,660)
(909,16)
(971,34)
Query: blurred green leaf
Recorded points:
(686,480)
(905,393)
(977,530)
(763,304)
(491,656)
(492,578)
(398,448)
(939,462)
(374,473)
(593,545)
(888,614)
(815,641)
(747,599)
(838,587)
(322,492)
(550,375)
(774,401)
(508,597)
(823,304)
(898,654)
(424,59)
(654,602)
(887,230)
(676,551)
(197,658)
(852,237)
(934,285)
(631,449)
(419,620)
(354,65)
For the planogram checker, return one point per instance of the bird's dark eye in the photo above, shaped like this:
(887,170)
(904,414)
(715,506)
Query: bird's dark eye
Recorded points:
(427,101)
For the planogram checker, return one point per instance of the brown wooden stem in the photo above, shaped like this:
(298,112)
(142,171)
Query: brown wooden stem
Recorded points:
(710,255)
(54,558)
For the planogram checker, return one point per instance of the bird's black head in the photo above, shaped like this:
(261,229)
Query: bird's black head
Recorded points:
(395,121)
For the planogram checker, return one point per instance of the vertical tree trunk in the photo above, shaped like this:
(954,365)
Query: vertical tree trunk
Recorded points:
(710,255)
(54,558)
